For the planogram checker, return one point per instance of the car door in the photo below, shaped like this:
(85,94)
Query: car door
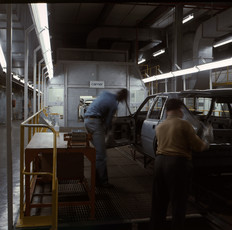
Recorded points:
(148,128)
(122,132)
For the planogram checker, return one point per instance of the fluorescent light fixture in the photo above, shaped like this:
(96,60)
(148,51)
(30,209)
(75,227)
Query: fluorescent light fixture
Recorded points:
(188,18)
(141,61)
(40,18)
(159,52)
(158,77)
(203,67)
(223,42)
(16,77)
(185,71)
(2,59)
(215,65)
(160,71)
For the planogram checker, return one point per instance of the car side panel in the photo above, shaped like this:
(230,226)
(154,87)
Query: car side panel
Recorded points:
(148,136)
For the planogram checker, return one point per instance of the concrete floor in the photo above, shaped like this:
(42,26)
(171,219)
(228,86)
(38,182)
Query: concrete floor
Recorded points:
(131,196)
(122,173)
(3,173)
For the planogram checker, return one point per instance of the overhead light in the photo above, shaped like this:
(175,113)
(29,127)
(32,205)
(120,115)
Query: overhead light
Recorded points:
(141,61)
(158,77)
(223,42)
(188,18)
(215,65)
(40,19)
(185,71)
(16,77)
(2,59)
(160,71)
(159,52)
(199,68)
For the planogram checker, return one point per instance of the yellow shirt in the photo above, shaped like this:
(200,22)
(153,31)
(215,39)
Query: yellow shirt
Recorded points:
(176,137)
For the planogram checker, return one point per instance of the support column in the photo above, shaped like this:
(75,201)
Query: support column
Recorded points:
(45,91)
(39,77)
(166,85)
(210,80)
(9,117)
(42,96)
(177,45)
(34,79)
(26,53)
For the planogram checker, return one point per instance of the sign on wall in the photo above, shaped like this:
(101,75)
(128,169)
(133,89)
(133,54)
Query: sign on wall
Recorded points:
(97,84)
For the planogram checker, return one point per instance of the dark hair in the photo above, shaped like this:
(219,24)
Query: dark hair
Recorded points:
(173,104)
(122,95)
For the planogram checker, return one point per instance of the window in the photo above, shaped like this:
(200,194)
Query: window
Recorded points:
(198,105)
(221,110)
(157,107)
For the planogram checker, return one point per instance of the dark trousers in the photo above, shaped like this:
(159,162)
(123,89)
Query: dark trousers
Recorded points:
(172,180)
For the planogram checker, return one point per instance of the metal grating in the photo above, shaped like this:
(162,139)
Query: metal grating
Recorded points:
(108,207)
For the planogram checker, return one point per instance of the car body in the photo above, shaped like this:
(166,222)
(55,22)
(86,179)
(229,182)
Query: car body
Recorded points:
(83,105)
(202,108)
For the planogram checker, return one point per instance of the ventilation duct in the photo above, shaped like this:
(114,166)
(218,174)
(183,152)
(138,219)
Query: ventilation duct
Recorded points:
(123,34)
(215,27)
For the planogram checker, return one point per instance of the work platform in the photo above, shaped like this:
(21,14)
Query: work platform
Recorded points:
(126,206)
(130,180)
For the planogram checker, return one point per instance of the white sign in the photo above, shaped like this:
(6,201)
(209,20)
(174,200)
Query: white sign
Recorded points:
(97,84)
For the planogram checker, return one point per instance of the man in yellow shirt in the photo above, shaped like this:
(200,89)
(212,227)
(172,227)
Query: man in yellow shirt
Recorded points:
(176,139)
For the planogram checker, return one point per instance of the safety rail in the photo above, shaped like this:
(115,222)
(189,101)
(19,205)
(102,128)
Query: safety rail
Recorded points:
(26,221)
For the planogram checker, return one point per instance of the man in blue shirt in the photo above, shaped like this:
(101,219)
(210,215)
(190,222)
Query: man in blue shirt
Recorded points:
(98,120)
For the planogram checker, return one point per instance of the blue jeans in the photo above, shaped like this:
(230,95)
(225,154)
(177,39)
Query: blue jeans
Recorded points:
(95,127)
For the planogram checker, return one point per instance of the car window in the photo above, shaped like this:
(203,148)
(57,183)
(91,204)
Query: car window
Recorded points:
(221,110)
(147,105)
(157,107)
(199,105)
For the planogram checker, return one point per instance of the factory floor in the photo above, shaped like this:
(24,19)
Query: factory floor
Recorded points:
(3,172)
(126,206)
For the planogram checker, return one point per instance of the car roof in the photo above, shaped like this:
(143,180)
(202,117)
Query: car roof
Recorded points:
(212,93)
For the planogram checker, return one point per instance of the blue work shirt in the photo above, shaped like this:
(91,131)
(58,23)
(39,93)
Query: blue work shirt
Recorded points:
(104,106)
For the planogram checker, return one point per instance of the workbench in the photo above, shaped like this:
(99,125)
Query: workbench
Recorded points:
(42,143)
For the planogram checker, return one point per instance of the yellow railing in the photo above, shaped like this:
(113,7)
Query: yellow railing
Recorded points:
(154,70)
(33,125)
(220,112)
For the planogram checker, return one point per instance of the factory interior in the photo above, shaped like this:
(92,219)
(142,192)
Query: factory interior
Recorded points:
(56,57)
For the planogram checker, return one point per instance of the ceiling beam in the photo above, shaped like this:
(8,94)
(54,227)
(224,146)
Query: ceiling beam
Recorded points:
(156,14)
(108,7)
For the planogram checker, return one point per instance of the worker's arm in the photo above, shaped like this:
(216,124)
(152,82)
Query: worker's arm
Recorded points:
(195,142)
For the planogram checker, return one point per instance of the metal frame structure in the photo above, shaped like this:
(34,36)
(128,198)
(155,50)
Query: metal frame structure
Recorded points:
(30,221)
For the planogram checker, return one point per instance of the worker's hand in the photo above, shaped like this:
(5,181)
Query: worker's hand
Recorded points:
(207,134)
(206,145)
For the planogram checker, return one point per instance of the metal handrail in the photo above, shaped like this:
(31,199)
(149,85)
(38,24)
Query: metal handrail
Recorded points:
(35,118)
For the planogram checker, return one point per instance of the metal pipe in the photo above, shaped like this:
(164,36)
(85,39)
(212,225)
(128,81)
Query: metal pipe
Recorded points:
(21,213)
(42,96)
(184,82)
(26,53)
(9,117)
(66,98)
(210,79)
(45,91)
(34,79)
(166,85)
(39,76)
